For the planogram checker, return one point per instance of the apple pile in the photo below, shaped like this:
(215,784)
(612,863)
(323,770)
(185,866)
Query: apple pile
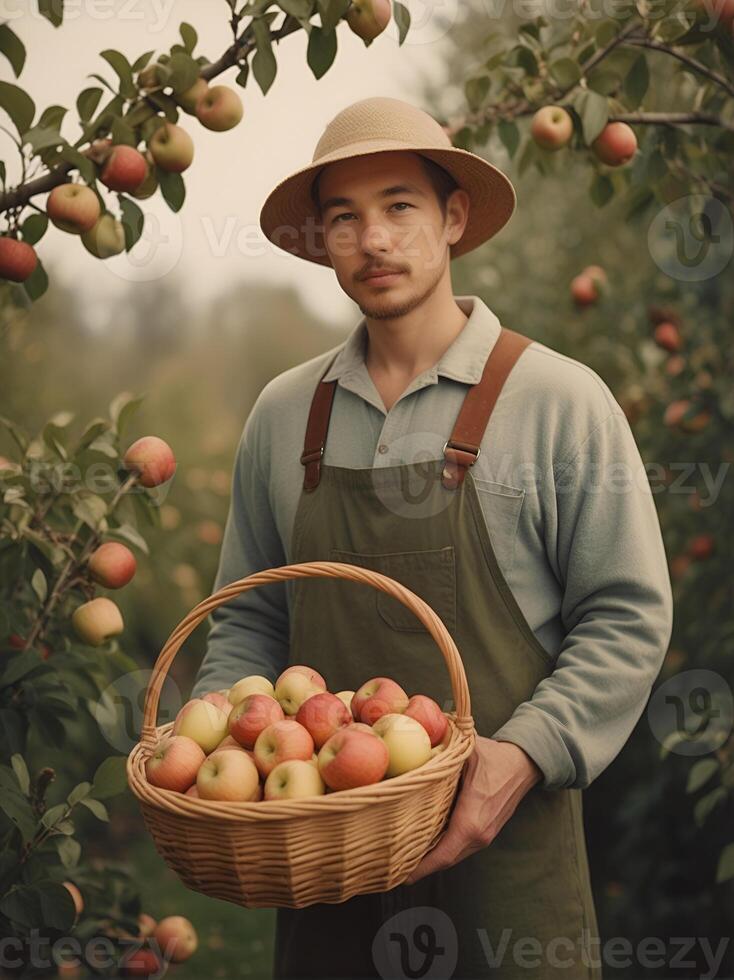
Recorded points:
(263,741)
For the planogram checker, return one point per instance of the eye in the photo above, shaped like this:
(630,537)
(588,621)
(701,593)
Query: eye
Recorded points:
(402,204)
(398,204)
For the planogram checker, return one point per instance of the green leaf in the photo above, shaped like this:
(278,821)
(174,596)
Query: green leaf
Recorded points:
(82,163)
(53,116)
(476,90)
(122,406)
(264,65)
(90,509)
(110,779)
(636,82)
(39,585)
(48,549)
(18,809)
(103,445)
(19,106)
(17,434)
(594,112)
(509,133)
(603,81)
(700,773)
(243,75)
(126,532)
(321,50)
(142,61)
(87,101)
(34,228)
(69,851)
(604,33)
(21,773)
(97,808)
(565,71)
(401,16)
(725,870)
(173,189)
(52,10)
(123,133)
(23,905)
(188,35)
(124,71)
(78,793)
(184,71)
(53,815)
(57,906)
(95,428)
(331,12)
(37,283)
(13,49)
(19,666)
(706,804)
(133,221)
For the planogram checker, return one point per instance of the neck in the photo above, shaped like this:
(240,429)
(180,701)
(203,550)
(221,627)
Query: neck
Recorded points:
(405,346)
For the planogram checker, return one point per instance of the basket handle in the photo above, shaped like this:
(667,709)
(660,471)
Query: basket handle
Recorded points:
(311,569)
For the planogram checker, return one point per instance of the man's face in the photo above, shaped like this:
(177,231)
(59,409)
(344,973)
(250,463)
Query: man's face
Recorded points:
(381,212)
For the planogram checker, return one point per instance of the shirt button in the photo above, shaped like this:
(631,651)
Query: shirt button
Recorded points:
(382,448)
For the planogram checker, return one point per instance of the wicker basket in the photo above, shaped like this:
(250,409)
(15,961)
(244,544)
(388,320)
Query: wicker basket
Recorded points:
(292,853)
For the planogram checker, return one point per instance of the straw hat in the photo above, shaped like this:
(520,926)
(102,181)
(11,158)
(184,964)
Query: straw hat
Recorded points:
(288,217)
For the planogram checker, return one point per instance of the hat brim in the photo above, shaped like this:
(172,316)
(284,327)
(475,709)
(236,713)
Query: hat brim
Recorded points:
(289,220)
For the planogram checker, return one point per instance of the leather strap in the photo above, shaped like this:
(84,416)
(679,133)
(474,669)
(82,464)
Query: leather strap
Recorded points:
(462,448)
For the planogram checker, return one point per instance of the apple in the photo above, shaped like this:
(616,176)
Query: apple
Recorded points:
(176,938)
(76,897)
(362,727)
(202,721)
(175,763)
(257,794)
(229,776)
(143,962)
(251,716)
(112,565)
(675,414)
(282,740)
(313,675)
(701,547)
(616,144)
(253,684)
(323,714)
(552,127)
(406,740)
(368,18)
(192,791)
(96,621)
(378,697)
(152,459)
(188,99)
(221,700)
(17,259)
(353,758)
(149,185)
(293,687)
(146,924)
(105,238)
(219,108)
(583,290)
(172,148)
(346,697)
(667,336)
(293,779)
(675,365)
(73,207)
(231,743)
(426,711)
(124,169)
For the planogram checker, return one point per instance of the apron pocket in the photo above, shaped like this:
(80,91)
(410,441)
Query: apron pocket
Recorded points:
(430,574)
(501,505)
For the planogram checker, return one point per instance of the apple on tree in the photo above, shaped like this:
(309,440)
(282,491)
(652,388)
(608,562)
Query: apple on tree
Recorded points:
(149,184)
(616,144)
(73,208)
(105,238)
(552,127)
(219,108)
(18,259)
(97,621)
(151,459)
(369,18)
(76,897)
(172,148)
(112,565)
(188,99)
(124,169)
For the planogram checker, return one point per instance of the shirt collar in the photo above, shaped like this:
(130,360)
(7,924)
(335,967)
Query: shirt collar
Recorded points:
(462,361)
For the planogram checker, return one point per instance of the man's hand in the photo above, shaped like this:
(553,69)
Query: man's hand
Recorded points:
(496,777)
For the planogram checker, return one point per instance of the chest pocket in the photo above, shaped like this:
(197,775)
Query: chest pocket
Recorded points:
(501,505)
(430,574)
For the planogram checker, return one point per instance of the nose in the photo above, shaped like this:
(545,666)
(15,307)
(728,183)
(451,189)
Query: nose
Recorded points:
(375,239)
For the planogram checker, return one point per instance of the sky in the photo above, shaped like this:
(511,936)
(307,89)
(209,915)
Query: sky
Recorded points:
(215,239)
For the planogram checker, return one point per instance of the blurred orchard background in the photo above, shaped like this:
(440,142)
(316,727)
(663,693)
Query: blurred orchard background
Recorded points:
(176,338)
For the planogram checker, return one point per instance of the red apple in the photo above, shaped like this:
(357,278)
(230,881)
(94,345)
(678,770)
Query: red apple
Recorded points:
(352,758)
(675,416)
(124,169)
(322,715)
(252,716)
(17,259)
(616,144)
(174,763)
(73,208)
(146,925)
(368,18)
(583,290)
(76,896)
(667,336)
(219,108)
(229,776)
(429,714)
(701,547)
(361,727)
(552,127)
(376,698)
(219,699)
(142,962)
(97,621)
(282,740)
(149,185)
(176,938)
(313,676)
(295,685)
(112,565)
(172,148)
(152,459)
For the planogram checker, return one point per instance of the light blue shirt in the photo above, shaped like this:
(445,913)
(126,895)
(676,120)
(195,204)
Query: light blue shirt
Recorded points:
(569,512)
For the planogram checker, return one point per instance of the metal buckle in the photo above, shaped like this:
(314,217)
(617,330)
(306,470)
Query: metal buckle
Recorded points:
(476,457)
(312,456)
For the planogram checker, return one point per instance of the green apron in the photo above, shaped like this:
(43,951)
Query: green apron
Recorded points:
(523,905)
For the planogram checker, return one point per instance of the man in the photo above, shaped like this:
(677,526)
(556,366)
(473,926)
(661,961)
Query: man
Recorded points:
(497,479)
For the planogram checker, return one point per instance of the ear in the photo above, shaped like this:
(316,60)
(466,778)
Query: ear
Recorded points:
(457,214)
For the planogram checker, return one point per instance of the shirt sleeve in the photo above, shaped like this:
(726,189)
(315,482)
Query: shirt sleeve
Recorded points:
(603,539)
(249,634)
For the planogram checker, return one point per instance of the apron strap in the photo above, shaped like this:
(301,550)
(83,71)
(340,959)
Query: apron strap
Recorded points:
(462,448)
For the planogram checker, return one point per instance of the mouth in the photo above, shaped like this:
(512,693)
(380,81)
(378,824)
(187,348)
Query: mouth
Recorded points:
(382,278)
